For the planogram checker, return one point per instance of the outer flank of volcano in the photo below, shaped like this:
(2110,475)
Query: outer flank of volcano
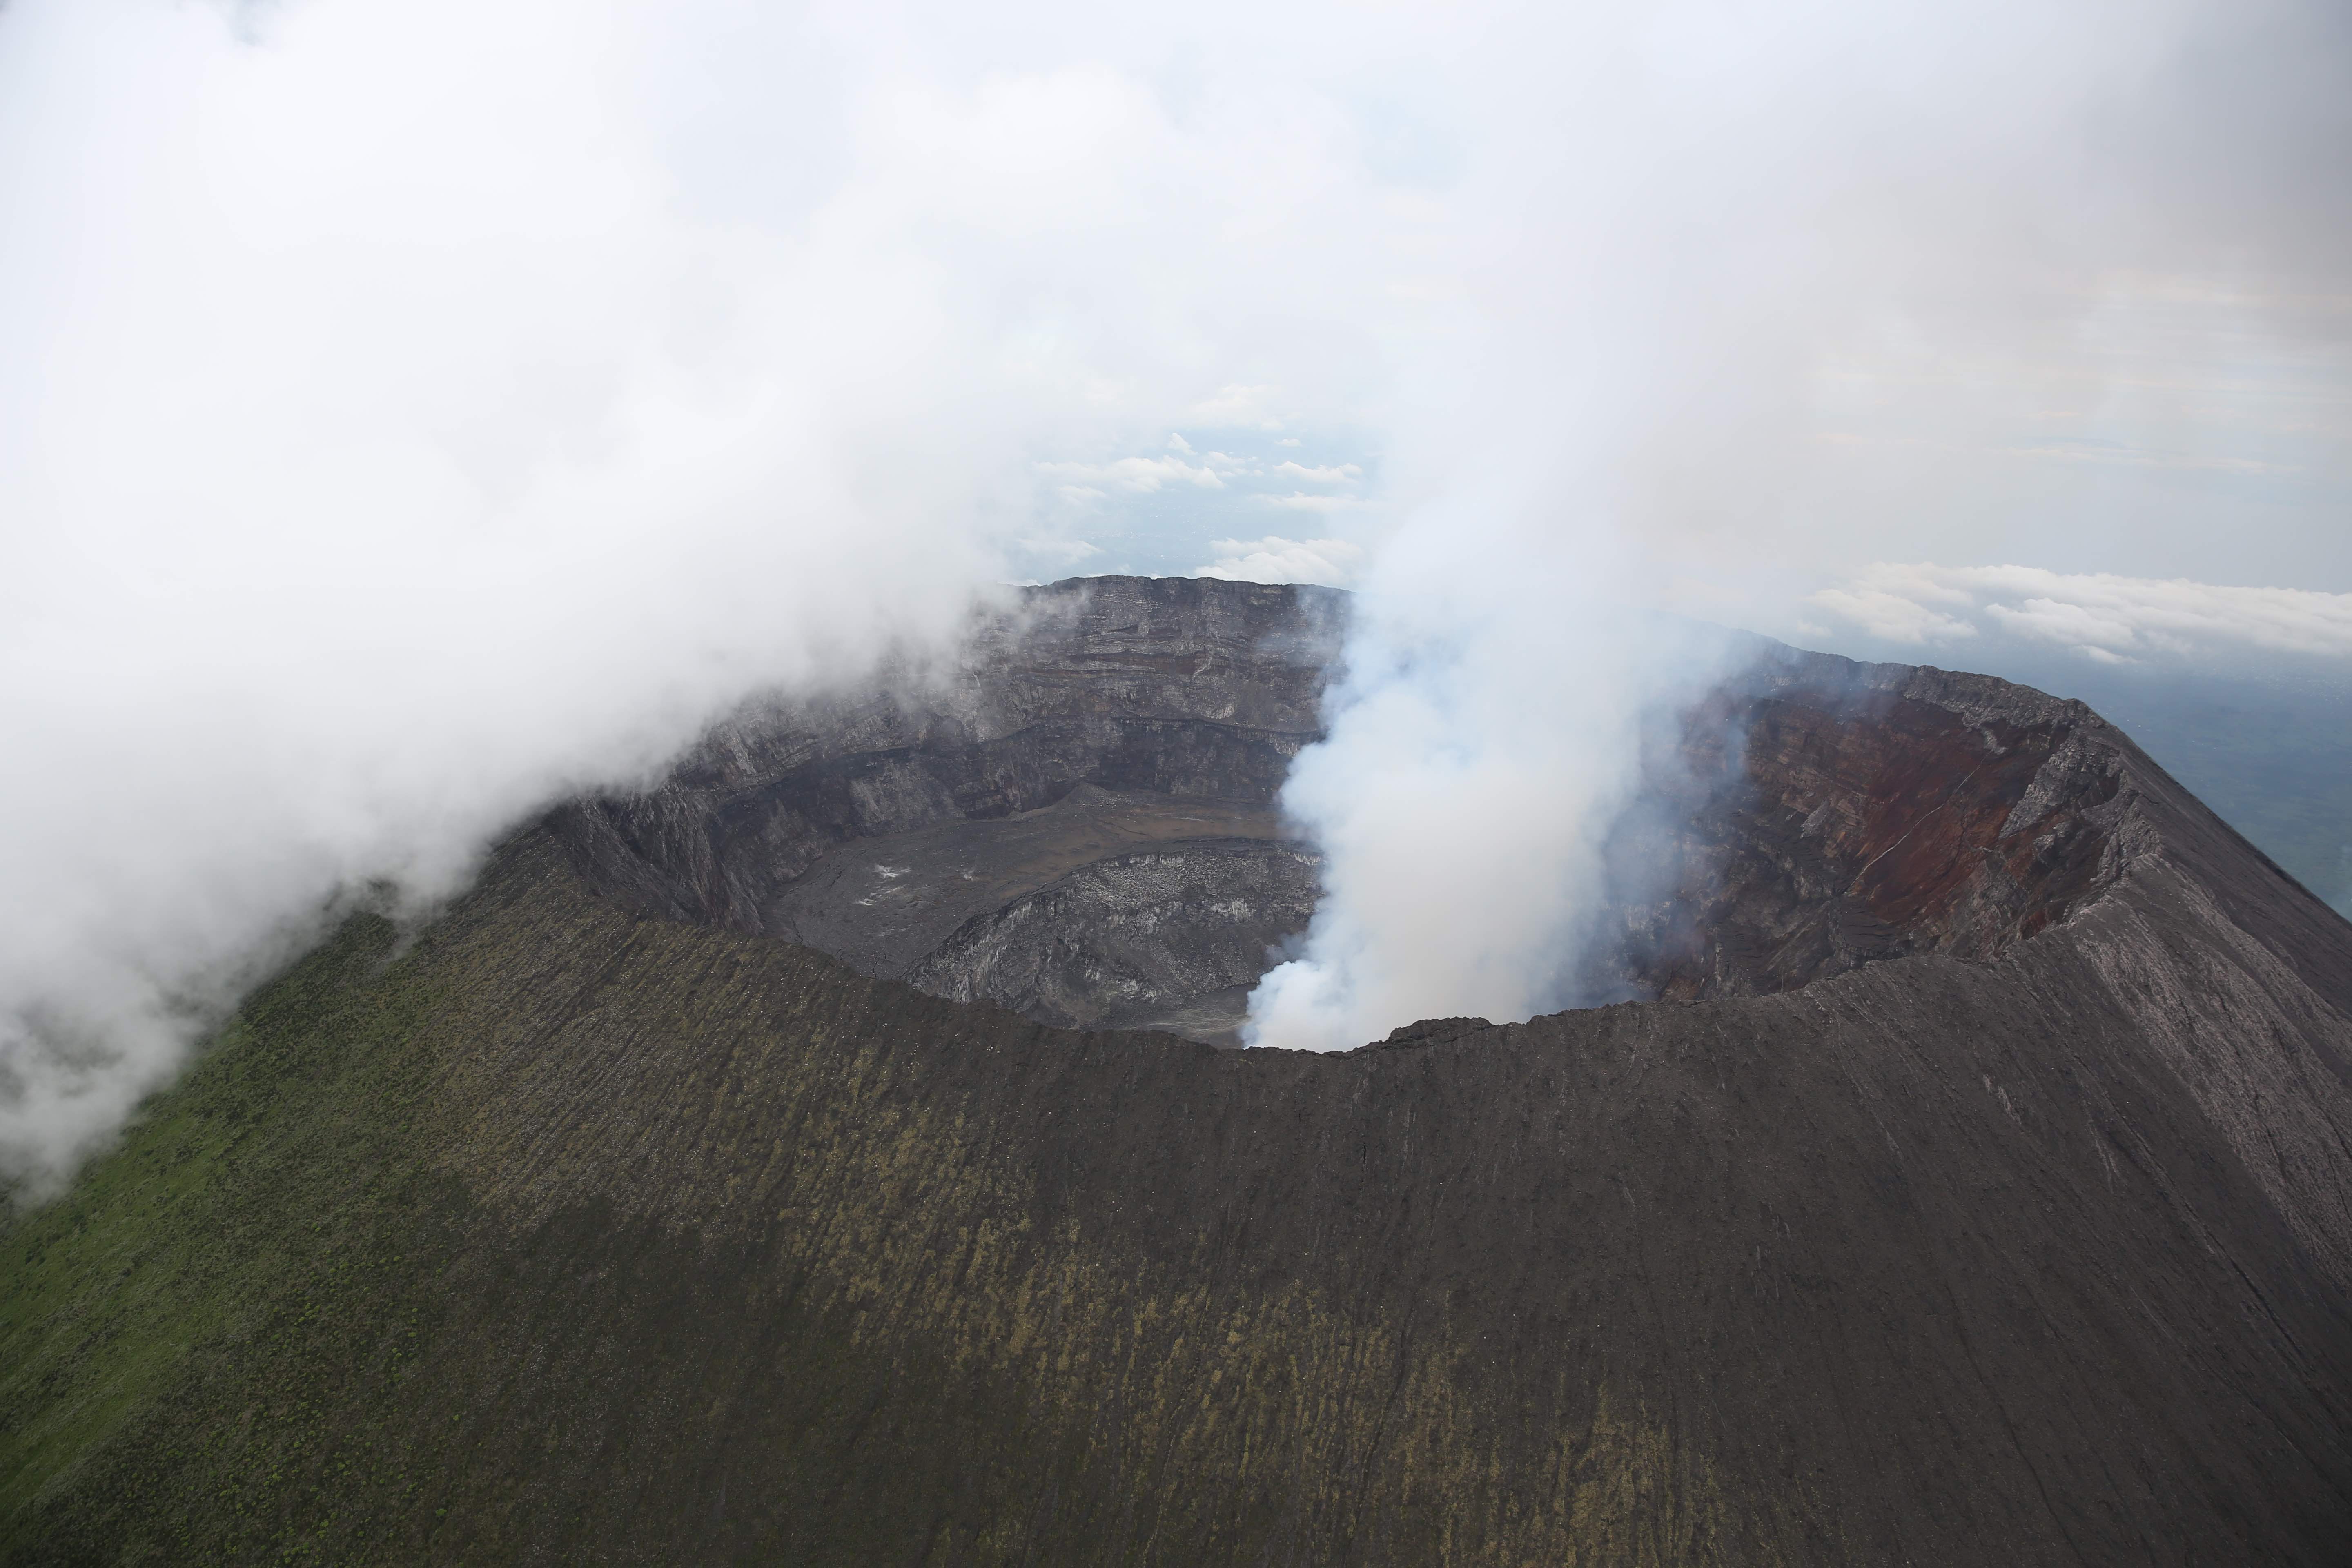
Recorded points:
(1976,1190)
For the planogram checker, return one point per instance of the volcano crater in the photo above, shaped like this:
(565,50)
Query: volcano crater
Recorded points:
(1079,819)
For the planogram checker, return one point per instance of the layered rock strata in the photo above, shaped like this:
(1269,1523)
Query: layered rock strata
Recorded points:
(1074,817)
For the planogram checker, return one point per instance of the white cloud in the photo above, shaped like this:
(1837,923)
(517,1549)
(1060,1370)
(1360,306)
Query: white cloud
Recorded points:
(2126,455)
(1892,615)
(1299,501)
(1064,551)
(2108,618)
(1333,563)
(1338,474)
(1140,475)
(1240,407)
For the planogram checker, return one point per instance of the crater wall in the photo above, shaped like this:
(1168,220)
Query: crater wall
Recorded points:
(1075,818)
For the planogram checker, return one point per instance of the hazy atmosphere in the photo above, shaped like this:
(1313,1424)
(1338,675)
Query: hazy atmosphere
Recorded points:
(413,414)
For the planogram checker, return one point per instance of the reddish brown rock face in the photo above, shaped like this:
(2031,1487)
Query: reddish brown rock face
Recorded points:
(1926,807)
(1823,826)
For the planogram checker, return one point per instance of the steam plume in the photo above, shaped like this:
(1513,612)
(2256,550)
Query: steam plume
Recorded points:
(1716,206)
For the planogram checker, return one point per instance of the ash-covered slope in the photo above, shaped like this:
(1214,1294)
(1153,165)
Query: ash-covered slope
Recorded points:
(1995,1212)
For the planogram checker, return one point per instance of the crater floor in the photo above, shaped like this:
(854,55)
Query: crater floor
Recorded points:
(1105,909)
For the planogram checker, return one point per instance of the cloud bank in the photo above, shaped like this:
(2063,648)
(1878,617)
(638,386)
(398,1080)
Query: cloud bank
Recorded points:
(2106,619)
(1332,563)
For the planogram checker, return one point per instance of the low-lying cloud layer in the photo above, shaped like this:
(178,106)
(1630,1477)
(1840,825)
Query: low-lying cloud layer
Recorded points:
(2106,619)
(1333,563)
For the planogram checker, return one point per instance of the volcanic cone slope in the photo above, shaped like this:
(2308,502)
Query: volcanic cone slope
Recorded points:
(1995,1212)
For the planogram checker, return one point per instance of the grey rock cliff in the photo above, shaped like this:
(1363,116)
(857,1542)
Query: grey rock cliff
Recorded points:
(927,828)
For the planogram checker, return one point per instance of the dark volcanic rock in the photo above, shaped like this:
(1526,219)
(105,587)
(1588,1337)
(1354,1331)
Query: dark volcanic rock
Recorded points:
(1832,813)
(1130,941)
(1075,820)
(1188,690)
(1986,1201)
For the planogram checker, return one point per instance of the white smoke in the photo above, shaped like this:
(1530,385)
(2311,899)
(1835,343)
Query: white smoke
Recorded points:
(1714,213)
(1482,751)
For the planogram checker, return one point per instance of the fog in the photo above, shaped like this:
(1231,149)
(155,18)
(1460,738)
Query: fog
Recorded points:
(411,412)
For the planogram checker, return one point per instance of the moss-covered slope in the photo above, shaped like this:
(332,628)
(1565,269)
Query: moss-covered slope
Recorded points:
(564,1236)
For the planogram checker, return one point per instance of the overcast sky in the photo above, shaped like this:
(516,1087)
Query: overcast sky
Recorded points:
(413,408)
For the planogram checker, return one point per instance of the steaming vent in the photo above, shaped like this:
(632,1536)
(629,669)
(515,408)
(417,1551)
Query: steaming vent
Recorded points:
(1078,822)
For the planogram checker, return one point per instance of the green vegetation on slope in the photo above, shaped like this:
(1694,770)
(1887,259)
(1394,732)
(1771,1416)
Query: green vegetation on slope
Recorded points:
(561,1237)
(223,1295)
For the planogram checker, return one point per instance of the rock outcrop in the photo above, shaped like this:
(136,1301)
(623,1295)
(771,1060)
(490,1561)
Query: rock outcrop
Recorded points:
(1826,815)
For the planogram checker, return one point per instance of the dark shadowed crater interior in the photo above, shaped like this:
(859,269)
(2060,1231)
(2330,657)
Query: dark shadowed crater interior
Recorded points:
(1077,820)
